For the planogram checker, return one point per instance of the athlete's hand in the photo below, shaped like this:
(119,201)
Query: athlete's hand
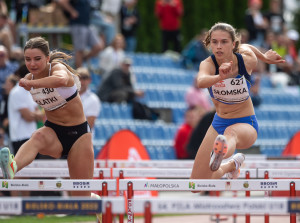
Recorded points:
(24,83)
(225,70)
(272,57)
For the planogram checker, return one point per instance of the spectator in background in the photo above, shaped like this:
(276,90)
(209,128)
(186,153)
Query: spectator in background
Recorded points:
(6,37)
(22,7)
(256,24)
(117,85)
(195,52)
(9,84)
(198,97)
(83,36)
(274,16)
(191,119)
(90,101)
(169,14)
(3,142)
(292,66)
(7,67)
(103,23)
(244,35)
(23,114)
(111,8)
(112,56)
(129,21)
(198,133)
(10,22)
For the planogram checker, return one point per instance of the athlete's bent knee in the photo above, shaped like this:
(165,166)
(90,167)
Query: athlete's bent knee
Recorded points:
(39,137)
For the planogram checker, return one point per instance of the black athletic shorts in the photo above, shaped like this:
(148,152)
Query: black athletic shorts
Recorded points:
(68,135)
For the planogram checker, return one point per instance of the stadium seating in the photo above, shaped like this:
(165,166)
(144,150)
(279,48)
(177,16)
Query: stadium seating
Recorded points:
(165,83)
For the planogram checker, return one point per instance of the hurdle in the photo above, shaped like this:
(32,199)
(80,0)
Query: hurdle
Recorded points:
(250,162)
(278,173)
(59,185)
(102,173)
(131,185)
(45,172)
(272,164)
(166,172)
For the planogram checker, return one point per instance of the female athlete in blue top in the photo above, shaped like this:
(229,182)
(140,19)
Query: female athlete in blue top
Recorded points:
(226,74)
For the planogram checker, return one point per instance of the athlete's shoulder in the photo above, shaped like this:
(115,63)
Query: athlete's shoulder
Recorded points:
(244,50)
(249,57)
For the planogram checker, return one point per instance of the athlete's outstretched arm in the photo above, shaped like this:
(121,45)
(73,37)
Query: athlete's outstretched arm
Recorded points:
(270,57)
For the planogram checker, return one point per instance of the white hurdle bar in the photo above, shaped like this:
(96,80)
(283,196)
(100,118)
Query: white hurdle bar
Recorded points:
(250,162)
(208,185)
(278,173)
(166,172)
(102,173)
(59,185)
(57,172)
(121,173)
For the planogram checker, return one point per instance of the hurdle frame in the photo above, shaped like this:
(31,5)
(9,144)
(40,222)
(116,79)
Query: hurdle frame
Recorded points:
(246,185)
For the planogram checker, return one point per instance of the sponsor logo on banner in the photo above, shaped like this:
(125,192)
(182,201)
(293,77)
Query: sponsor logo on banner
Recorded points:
(4,184)
(41,184)
(81,184)
(192,185)
(58,184)
(57,206)
(268,185)
(246,184)
(294,206)
(161,185)
(202,186)
(19,185)
(228,185)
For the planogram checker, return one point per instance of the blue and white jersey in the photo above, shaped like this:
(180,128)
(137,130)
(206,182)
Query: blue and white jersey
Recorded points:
(232,90)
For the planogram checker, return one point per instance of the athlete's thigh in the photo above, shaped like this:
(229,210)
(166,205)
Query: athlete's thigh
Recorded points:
(81,158)
(245,134)
(48,142)
(201,165)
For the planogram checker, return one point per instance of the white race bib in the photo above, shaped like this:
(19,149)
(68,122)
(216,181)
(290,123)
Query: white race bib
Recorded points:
(231,90)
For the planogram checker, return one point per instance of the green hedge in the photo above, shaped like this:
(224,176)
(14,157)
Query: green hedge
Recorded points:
(198,14)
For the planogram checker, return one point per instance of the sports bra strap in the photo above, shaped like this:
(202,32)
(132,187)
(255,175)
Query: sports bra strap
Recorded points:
(215,62)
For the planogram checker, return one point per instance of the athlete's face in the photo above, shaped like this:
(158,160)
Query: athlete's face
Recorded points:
(35,60)
(221,44)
